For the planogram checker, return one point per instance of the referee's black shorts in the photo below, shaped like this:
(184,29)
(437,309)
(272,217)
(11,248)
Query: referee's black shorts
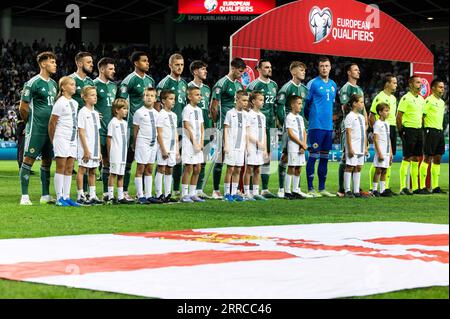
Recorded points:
(412,141)
(393,138)
(434,142)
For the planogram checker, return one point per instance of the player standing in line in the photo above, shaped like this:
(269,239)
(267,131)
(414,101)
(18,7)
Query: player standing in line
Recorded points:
(223,100)
(356,148)
(116,143)
(132,89)
(349,88)
(199,71)
(106,93)
(234,145)
(296,147)
(174,82)
(434,142)
(269,88)
(319,112)
(85,66)
(193,137)
(89,155)
(168,151)
(38,97)
(291,88)
(409,124)
(62,130)
(386,96)
(256,146)
(383,150)
(146,146)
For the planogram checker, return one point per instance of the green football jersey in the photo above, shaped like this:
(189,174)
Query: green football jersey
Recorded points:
(40,94)
(434,111)
(289,89)
(80,84)
(106,93)
(347,91)
(412,108)
(180,89)
(391,100)
(132,89)
(224,91)
(204,103)
(269,90)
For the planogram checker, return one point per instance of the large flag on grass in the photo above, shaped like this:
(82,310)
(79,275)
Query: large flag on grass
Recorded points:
(293,261)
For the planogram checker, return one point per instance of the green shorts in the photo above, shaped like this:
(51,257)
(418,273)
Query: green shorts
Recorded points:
(38,144)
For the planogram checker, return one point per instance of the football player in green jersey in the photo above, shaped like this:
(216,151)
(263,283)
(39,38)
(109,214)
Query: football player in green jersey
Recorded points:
(269,88)
(409,124)
(223,100)
(85,66)
(345,93)
(294,87)
(386,96)
(106,93)
(132,89)
(174,82)
(38,97)
(434,143)
(199,71)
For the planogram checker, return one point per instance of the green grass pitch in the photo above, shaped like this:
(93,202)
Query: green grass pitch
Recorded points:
(43,221)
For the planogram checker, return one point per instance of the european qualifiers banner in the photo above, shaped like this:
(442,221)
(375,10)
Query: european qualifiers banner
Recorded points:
(224,7)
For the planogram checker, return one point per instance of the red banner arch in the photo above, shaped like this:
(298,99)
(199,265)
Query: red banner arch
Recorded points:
(339,28)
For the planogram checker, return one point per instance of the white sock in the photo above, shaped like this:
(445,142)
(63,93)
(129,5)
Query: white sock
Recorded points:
(167,185)
(356,180)
(296,182)
(255,189)
(92,192)
(375,187)
(281,190)
(120,194)
(139,190)
(382,186)
(287,183)
(67,184)
(184,190)
(25,197)
(234,187)
(111,192)
(192,190)
(59,182)
(79,193)
(226,188)
(347,181)
(247,189)
(158,184)
(148,181)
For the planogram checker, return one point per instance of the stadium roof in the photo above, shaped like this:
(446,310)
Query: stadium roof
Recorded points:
(409,13)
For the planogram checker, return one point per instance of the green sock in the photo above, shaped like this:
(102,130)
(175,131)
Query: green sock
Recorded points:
(423,174)
(177,170)
(105,176)
(371,175)
(435,172)
(281,174)
(388,177)
(45,180)
(403,172)
(265,181)
(415,175)
(24,175)
(126,177)
(217,173)
(201,176)
(341,177)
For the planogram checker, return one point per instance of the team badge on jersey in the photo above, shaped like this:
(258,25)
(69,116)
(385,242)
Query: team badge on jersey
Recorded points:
(315,145)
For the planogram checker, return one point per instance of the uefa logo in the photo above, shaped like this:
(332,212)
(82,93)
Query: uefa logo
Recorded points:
(424,88)
(248,76)
(210,5)
(320,22)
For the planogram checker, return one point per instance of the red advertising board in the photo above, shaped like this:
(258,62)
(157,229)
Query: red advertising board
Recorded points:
(249,7)
(336,28)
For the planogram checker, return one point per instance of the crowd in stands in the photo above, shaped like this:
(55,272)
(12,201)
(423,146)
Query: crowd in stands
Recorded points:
(17,65)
